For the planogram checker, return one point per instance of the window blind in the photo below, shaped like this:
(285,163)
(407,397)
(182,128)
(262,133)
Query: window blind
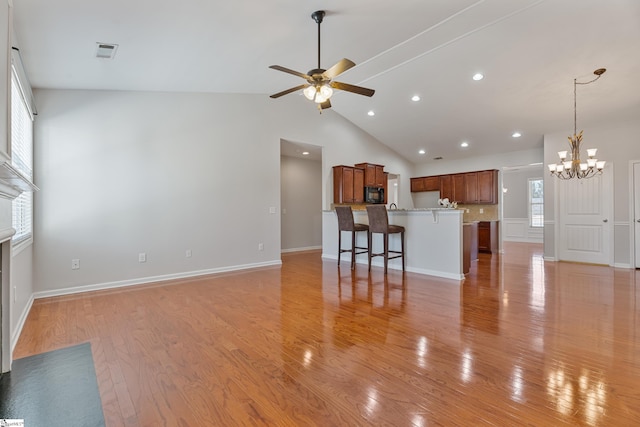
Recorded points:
(21,159)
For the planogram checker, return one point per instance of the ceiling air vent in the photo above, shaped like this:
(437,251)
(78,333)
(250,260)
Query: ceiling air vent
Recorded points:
(106,50)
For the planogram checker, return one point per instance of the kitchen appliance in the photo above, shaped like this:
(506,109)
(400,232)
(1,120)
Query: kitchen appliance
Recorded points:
(374,195)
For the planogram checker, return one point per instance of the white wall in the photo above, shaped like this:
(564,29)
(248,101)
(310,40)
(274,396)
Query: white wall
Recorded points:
(495,161)
(618,144)
(128,172)
(301,198)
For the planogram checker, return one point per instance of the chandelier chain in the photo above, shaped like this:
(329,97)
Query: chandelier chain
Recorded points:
(575,105)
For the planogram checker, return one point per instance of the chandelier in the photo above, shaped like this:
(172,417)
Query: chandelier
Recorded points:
(572,167)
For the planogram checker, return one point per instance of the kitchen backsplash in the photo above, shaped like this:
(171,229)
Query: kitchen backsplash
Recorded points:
(472,212)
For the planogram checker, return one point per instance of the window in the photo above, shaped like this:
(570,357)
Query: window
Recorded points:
(21,159)
(536,203)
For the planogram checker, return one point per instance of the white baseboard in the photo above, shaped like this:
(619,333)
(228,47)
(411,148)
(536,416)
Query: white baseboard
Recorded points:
(151,279)
(15,335)
(620,265)
(308,248)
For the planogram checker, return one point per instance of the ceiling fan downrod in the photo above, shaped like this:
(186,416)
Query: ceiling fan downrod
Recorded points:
(317,16)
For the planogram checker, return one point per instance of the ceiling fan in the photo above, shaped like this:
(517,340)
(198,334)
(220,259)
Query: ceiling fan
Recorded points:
(319,86)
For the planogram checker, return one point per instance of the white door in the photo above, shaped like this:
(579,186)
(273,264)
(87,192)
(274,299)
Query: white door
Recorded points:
(585,219)
(636,210)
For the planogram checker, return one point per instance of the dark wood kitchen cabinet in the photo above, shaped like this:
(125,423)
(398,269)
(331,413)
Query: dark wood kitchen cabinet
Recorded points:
(479,187)
(348,184)
(471,187)
(488,237)
(446,187)
(488,187)
(425,183)
(373,174)
(458,193)
(386,187)
(417,185)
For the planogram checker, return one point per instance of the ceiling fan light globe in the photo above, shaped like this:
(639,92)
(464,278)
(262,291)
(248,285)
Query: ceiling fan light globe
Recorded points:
(591,152)
(591,162)
(600,165)
(310,92)
(326,91)
(562,155)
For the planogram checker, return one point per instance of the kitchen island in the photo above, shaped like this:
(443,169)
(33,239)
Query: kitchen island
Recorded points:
(433,240)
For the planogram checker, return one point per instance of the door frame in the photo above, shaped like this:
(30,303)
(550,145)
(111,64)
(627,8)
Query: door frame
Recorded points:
(608,188)
(632,215)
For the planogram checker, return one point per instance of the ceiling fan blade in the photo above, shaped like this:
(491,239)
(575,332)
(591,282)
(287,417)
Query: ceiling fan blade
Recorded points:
(290,71)
(351,88)
(326,104)
(340,67)
(285,92)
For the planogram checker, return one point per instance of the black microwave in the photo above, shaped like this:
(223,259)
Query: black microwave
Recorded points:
(374,195)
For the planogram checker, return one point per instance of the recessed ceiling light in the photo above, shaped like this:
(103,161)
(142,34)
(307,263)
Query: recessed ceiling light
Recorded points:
(478,76)
(422,152)
(415,98)
(464,144)
(371,113)
(305,153)
(516,135)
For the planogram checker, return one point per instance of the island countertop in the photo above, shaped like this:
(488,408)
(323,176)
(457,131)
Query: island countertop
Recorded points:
(433,240)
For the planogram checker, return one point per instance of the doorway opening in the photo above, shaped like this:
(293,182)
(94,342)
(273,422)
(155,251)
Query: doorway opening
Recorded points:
(300,196)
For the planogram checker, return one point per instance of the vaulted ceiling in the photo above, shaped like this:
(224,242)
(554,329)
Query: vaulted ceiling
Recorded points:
(528,50)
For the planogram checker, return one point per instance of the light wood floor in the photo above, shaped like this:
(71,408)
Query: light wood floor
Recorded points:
(519,342)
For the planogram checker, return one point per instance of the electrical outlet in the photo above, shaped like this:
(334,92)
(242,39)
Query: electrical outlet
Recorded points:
(481,210)
(75,264)
(284,211)
(261,246)
(187,254)
(142,257)
(15,294)
(272,210)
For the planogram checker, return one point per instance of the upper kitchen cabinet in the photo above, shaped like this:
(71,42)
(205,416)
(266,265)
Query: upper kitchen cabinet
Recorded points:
(373,174)
(479,187)
(348,184)
(471,187)
(488,187)
(459,193)
(446,187)
(425,183)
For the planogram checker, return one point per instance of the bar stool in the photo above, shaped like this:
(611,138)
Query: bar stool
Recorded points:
(346,223)
(379,223)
